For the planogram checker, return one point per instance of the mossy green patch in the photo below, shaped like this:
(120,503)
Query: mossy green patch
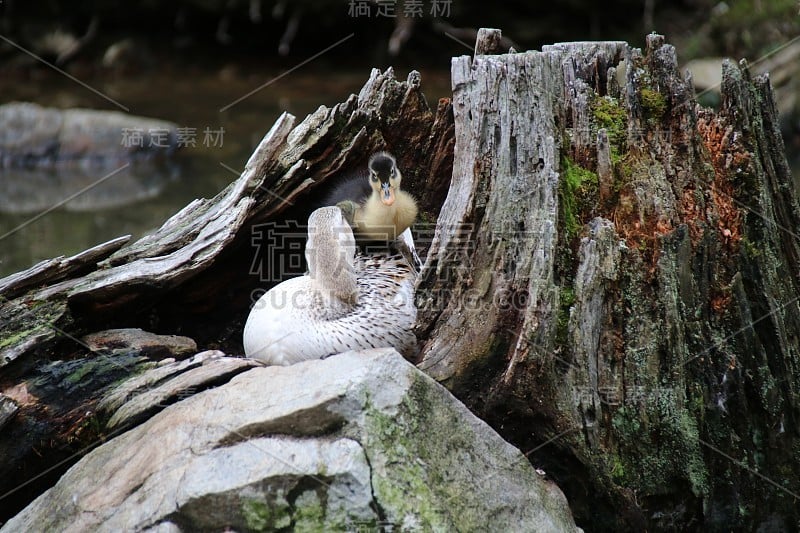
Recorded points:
(750,249)
(623,174)
(578,192)
(609,114)
(23,320)
(618,471)
(565,303)
(658,442)
(309,516)
(653,103)
(408,489)
(15,338)
(81,372)
(261,516)
(418,473)
(631,167)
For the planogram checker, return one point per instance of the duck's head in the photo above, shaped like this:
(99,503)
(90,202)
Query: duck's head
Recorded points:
(384,176)
(330,252)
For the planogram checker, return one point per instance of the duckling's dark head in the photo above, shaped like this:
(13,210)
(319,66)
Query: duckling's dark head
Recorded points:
(384,176)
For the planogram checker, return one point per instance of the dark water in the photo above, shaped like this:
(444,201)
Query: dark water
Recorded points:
(139,199)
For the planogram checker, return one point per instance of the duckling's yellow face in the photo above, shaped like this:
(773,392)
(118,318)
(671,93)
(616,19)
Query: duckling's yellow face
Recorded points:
(384,177)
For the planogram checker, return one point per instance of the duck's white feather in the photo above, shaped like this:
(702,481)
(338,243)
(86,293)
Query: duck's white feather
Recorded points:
(298,320)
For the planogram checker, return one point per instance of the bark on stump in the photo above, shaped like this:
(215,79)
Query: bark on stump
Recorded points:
(614,284)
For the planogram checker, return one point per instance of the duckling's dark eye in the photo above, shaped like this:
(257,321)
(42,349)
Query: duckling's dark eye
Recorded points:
(373,177)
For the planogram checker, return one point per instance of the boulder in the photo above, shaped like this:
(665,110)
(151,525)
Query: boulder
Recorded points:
(358,440)
(33,136)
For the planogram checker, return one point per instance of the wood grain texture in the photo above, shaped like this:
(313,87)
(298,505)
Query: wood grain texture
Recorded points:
(614,282)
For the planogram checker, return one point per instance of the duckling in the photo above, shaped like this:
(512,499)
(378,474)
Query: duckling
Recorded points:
(344,302)
(374,205)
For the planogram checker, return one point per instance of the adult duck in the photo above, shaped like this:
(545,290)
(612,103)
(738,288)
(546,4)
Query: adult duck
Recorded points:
(344,302)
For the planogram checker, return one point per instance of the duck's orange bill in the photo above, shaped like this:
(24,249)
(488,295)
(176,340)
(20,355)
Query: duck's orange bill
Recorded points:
(388,195)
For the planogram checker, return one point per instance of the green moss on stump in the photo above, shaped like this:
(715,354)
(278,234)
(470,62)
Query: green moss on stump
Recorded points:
(608,114)
(658,441)
(653,103)
(565,303)
(23,320)
(578,193)
(19,336)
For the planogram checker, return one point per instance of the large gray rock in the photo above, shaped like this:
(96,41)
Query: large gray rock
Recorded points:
(361,440)
(36,136)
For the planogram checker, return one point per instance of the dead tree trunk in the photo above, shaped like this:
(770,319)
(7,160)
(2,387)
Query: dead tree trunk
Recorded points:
(614,284)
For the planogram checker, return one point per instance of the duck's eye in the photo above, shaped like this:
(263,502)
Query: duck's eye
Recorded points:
(373,177)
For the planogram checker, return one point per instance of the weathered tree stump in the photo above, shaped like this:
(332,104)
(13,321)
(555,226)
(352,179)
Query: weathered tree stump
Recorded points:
(614,284)
(613,281)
